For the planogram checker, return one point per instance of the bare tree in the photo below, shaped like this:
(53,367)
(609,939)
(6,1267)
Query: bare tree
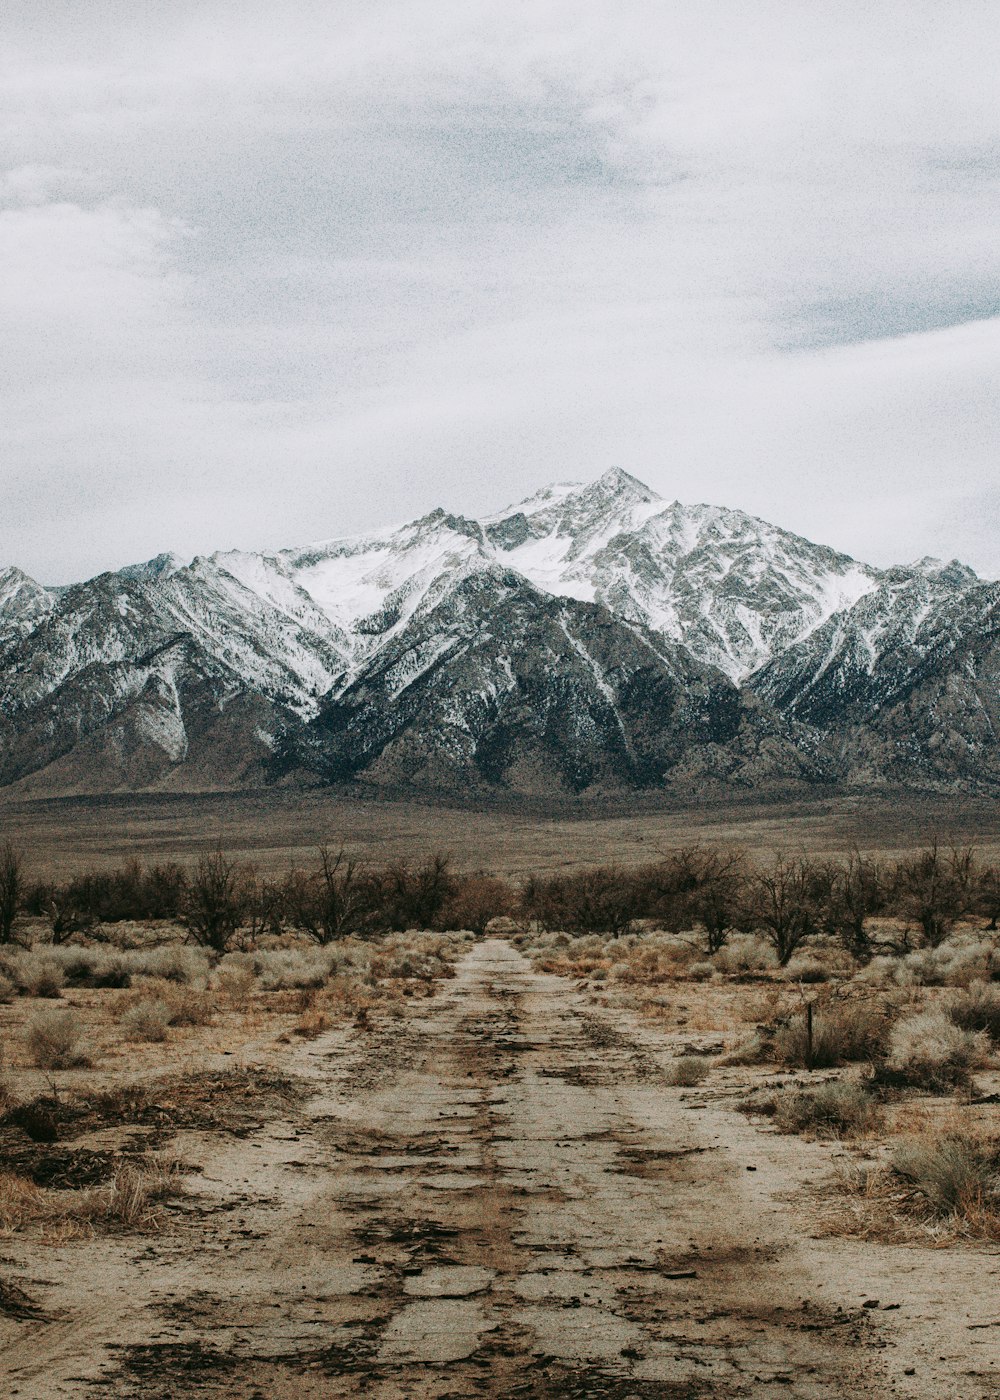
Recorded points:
(855,894)
(988,895)
(935,888)
(333,901)
(785,903)
(720,877)
(11,889)
(215,901)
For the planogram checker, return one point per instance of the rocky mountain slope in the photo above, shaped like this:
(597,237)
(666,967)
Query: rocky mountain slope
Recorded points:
(589,638)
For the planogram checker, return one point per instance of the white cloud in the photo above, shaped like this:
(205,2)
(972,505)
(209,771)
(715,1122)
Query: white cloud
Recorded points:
(269,274)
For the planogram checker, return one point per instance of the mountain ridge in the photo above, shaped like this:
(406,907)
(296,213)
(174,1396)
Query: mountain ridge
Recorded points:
(643,643)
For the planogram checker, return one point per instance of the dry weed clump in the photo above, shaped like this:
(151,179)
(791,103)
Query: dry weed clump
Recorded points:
(129,1201)
(928,1051)
(840,1034)
(34,972)
(942,1186)
(315,1019)
(236,982)
(977,1008)
(173,963)
(182,1004)
(301,969)
(146,1021)
(423,956)
(821,960)
(190,1006)
(746,955)
(688,1071)
(830,1110)
(55,1040)
(94,967)
(962,959)
(956,1175)
(651,958)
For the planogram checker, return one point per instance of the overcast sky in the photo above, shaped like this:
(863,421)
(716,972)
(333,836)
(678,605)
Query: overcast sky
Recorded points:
(271,273)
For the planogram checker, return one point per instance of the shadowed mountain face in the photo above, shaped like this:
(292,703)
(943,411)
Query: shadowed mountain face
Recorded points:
(590,638)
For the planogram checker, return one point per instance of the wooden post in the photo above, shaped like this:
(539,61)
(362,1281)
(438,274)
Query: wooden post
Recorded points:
(809,1034)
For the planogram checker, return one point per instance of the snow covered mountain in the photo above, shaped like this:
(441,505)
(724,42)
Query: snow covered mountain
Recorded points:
(589,637)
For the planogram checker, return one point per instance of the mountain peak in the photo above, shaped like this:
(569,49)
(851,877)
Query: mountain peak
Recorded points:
(616,481)
(162,566)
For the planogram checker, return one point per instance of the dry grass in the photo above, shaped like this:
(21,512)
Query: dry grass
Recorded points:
(313,1023)
(967,956)
(936,1188)
(928,1051)
(830,1110)
(746,955)
(977,1008)
(182,1004)
(131,1200)
(840,1034)
(55,1040)
(688,1070)
(35,972)
(146,1021)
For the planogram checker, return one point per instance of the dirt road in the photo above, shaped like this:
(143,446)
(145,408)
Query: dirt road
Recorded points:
(499,1195)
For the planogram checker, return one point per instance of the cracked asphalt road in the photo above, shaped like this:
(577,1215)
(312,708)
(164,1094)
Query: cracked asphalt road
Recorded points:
(499,1195)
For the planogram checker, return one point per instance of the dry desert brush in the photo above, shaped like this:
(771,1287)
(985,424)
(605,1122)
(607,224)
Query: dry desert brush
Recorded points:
(928,1051)
(830,1110)
(55,1040)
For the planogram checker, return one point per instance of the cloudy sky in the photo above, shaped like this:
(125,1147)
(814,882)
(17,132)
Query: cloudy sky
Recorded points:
(273,273)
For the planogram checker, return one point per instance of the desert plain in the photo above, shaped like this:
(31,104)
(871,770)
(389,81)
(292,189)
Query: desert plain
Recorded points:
(517,1160)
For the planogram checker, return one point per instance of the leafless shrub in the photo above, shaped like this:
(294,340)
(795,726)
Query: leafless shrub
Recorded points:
(956,1175)
(333,901)
(854,892)
(146,1020)
(11,889)
(214,901)
(928,1051)
(935,888)
(687,1071)
(850,1031)
(55,1041)
(475,902)
(784,903)
(829,1110)
(603,900)
(413,896)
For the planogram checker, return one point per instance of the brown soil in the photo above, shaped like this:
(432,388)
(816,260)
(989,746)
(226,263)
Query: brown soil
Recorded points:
(274,829)
(497,1195)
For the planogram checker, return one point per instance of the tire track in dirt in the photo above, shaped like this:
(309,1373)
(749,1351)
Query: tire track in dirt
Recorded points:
(498,1196)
